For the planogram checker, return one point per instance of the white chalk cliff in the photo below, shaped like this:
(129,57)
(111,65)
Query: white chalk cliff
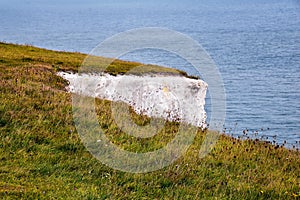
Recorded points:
(173,98)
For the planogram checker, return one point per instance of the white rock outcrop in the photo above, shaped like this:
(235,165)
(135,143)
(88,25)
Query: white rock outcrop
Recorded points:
(173,98)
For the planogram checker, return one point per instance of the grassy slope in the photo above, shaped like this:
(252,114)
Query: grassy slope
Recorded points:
(41,155)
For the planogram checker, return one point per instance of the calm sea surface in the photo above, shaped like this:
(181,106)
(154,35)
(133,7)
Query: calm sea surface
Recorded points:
(255,44)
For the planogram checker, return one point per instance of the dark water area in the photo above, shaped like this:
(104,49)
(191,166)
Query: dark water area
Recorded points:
(256,46)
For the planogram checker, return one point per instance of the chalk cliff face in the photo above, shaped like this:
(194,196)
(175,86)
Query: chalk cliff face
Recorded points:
(173,98)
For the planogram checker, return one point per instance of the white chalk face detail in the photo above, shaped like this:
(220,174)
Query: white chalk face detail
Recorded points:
(147,96)
(172,98)
(162,97)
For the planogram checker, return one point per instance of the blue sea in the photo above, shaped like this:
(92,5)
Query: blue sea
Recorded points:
(255,45)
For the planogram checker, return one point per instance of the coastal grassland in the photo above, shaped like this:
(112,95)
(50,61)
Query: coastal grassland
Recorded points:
(13,55)
(43,157)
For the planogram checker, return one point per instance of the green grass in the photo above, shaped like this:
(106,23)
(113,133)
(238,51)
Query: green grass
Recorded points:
(42,156)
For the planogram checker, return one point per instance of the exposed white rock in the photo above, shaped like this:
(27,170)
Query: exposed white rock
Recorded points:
(173,98)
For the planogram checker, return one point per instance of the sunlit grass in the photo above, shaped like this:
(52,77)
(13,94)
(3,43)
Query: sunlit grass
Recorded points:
(42,155)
